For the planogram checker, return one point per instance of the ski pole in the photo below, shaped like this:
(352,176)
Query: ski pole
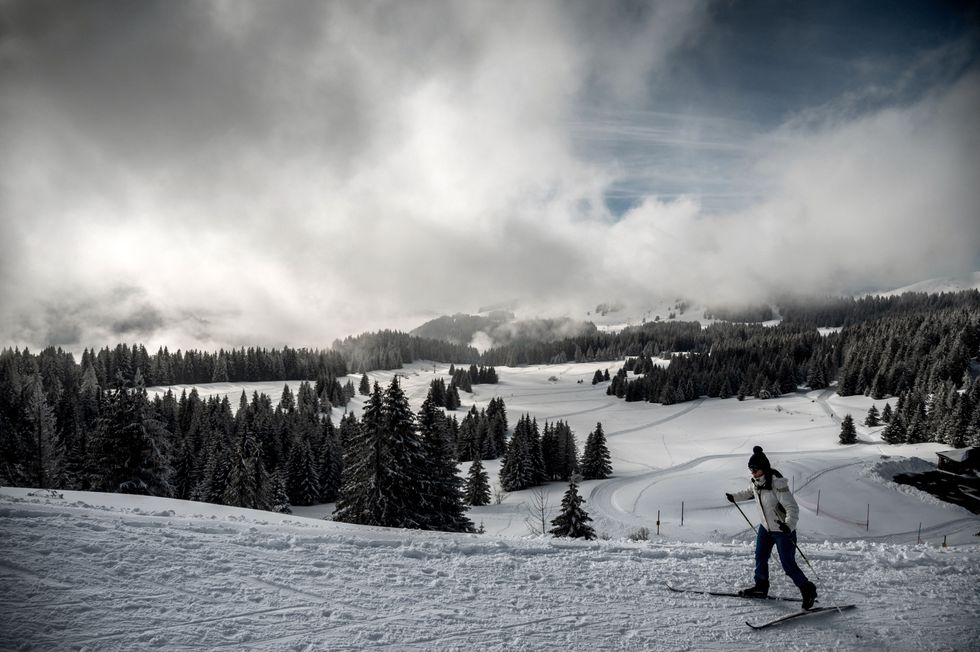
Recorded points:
(743,515)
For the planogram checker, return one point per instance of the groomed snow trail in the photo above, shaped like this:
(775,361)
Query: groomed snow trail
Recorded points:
(153,575)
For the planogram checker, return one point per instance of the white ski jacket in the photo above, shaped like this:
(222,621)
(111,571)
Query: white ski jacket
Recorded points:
(776,505)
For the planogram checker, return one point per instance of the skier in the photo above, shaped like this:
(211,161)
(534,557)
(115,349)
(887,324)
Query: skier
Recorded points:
(779,515)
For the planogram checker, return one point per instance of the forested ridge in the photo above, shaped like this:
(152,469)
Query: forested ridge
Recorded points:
(91,425)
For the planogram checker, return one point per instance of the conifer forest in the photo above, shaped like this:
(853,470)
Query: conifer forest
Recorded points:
(90,424)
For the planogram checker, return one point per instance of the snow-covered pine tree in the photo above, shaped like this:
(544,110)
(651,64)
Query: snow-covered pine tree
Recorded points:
(573,520)
(248,481)
(364,388)
(446,508)
(214,470)
(278,497)
(466,446)
(549,451)
(477,490)
(848,434)
(498,431)
(596,462)
(518,470)
(408,476)
(330,462)
(384,465)
(130,453)
(46,452)
(873,419)
(886,413)
(182,478)
(287,402)
(537,458)
(894,432)
(567,453)
(302,481)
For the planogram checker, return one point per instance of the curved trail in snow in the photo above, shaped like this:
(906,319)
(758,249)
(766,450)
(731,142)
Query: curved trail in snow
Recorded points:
(694,405)
(603,500)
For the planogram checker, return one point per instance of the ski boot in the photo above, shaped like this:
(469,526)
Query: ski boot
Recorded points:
(759,590)
(809,593)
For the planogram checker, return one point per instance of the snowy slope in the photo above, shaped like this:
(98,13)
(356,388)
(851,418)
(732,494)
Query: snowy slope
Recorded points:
(937,285)
(111,572)
(147,573)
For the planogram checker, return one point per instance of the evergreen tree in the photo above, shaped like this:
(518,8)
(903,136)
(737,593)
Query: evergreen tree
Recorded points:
(886,413)
(597,377)
(182,479)
(848,434)
(330,462)
(872,419)
(477,489)
(385,466)
(894,432)
(46,451)
(248,481)
(130,452)
(214,470)
(567,451)
(596,462)
(365,386)
(573,520)
(278,496)
(518,470)
(302,481)
(444,495)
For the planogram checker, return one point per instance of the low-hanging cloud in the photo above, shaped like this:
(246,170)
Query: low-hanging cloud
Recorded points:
(290,174)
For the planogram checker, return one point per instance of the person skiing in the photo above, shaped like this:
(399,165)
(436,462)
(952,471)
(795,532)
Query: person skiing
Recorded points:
(780,514)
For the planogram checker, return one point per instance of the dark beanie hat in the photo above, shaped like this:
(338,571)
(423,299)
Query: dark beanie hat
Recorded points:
(759,459)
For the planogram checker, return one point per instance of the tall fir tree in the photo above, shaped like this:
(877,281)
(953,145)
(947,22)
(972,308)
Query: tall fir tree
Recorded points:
(130,451)
(46,451)
(873,419)
(572,521)
(444,496)
(519,470)
(385,466)
(278,496)
(302,480)
(894,432)
(477,490)
(596,461)
(567,452)
(330,462)
(248,481)
(886,413)
(848,434)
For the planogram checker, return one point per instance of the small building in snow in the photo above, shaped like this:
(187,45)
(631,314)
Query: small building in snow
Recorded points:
(959,460)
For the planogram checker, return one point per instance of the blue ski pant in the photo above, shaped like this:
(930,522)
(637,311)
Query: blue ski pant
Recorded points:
(786,546)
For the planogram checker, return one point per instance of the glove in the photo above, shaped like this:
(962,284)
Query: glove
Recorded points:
(784,527)
(730,498)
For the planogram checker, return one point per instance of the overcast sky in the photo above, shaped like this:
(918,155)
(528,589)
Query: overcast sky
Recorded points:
(204,174)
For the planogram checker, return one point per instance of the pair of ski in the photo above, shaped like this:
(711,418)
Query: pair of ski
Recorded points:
(798,614)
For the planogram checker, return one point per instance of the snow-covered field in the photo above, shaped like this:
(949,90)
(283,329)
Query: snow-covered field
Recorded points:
(96,571)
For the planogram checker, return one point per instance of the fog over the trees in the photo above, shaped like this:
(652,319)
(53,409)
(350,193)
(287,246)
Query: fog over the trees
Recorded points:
(233,173)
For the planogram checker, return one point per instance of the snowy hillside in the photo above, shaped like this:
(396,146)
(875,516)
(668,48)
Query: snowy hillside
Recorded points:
(111,572)
(937,285)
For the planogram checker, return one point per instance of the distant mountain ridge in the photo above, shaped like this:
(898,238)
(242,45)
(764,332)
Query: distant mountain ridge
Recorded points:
(937,285)
(500,327)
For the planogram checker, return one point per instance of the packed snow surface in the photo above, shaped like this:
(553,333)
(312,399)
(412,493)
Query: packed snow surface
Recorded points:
(88,571)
